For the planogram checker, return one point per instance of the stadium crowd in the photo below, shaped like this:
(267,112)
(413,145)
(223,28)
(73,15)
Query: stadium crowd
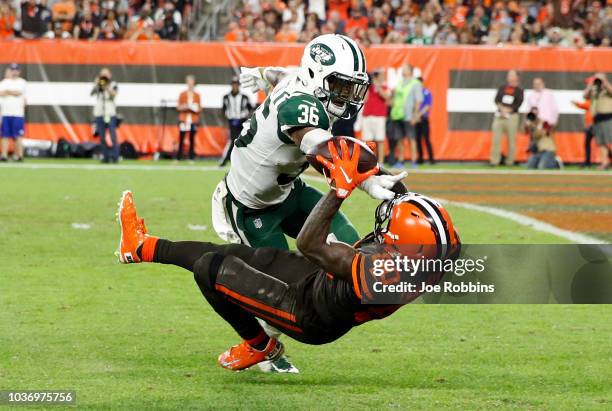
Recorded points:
(95,19)
(564,23)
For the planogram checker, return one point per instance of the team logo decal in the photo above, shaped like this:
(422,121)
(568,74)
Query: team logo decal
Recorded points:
(322,54)
(257,222)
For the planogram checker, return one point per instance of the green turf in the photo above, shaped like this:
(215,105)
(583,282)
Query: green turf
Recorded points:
(141,337)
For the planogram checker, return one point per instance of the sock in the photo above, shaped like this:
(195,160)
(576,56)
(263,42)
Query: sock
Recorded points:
(259,342)
(180,253)
(146,250)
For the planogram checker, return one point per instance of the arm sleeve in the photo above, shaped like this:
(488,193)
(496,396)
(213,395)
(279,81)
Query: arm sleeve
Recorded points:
(518,100)
(225,106)
(418,91)
(498,95)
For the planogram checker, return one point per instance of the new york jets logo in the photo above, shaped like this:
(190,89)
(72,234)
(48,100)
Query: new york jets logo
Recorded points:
(323,54)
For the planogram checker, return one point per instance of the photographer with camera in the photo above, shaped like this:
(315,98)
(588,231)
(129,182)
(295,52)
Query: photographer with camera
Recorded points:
(599,92)
(542,144)
(105,113)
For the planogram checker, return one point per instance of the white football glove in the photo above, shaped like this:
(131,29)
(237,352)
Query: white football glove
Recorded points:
(251,78)
(379,187)
(273,75)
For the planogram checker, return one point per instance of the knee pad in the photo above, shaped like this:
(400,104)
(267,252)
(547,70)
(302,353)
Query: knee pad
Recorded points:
(206,268)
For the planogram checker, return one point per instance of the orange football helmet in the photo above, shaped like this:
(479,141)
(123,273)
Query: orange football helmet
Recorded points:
(413,219)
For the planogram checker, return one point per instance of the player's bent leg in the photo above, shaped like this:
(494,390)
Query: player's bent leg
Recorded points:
(256,228)
(233,307)
(136,245)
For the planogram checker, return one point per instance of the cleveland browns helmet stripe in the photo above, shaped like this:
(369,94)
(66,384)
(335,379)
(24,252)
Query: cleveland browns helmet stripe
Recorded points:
(413,219)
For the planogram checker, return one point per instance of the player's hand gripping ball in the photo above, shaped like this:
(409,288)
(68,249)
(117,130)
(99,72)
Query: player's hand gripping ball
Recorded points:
(346,171)
(367,158)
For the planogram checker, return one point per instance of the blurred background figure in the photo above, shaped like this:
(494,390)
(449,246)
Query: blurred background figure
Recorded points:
(422,127)
(407,98)
(189,107)
(508,99)
(237,109)
(588,129)
(12,110)
(35,19)
(375,108)
(7,21)
(542,149)
(105,113)
(599,92)
(543,100)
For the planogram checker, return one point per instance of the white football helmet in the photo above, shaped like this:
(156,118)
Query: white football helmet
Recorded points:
(335,68)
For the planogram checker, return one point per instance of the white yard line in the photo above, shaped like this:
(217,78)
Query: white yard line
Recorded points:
(498,212)
(521,219)
(509,171)
(530,222)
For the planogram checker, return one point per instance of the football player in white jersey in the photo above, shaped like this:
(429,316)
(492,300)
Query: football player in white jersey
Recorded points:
(262,198)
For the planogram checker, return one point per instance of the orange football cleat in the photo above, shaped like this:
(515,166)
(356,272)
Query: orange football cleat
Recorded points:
(133,229)
(243,356)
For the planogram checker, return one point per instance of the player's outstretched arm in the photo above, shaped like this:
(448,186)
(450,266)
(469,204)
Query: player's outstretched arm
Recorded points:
(335,258)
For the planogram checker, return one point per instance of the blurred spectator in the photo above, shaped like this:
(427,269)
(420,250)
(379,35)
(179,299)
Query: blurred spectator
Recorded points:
(235,33)
(189,108)
(429,26)
(285,34)
(543,100)
(237,109)
(7,21)
(508,99)
(565,23)
(167,26)
(63,12)
(317,7)
(86,25)
(337,25)
(588,129)
(168,11)
(599,92)
(562,23)
(12,107)
(407,98)
(554,37)
(357,23)
(422,127)
(105,113)
(294,15)
(35,19)
(311,28)
(110,29)
(58,31)
(418,38)
(373,125)
(340,6)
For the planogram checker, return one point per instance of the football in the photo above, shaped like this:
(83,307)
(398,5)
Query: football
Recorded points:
(367,158)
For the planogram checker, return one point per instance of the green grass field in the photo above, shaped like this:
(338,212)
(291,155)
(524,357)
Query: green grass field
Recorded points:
(142,337)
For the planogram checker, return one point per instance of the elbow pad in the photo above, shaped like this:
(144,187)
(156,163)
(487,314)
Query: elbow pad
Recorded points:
(313,138)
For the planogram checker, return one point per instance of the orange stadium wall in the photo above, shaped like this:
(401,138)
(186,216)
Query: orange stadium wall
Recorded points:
(461,80)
